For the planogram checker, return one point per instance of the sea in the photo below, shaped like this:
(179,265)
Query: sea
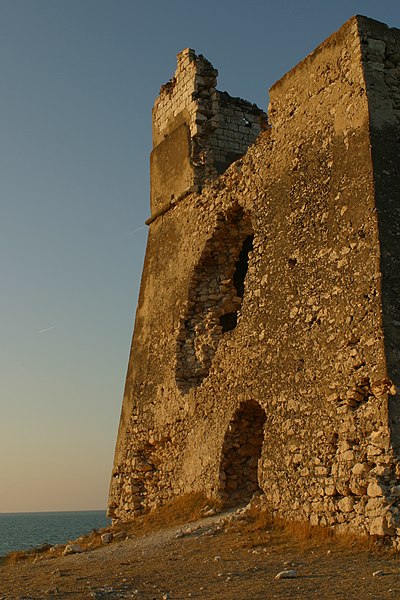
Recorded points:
(23,531)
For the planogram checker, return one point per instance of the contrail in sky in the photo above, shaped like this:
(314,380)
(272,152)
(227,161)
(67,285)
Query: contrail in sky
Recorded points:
(48,328)
(135,230)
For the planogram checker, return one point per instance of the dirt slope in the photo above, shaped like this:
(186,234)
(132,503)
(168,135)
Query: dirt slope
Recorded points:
(227,557)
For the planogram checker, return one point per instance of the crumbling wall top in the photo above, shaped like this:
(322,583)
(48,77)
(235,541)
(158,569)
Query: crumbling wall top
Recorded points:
(178,100)
(207,129)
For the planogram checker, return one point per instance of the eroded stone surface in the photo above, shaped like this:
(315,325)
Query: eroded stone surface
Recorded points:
(313,336)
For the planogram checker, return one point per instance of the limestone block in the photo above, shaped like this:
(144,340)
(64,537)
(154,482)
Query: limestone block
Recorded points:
(72,549)
(346,504)
(330,490)
(376,47)
(358,469)
(395,491)
(375,506)
(380,527)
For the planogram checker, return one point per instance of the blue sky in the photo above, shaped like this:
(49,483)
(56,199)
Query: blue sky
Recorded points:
(78,79)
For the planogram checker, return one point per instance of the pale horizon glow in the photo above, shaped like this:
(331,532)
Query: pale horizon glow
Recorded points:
(78,82)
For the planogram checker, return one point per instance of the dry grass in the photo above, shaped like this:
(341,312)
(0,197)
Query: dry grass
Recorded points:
(186,564)
(184,509)
(90,541)
(310,536)
(19,555)
(258,527)
(14,557)
(261,527)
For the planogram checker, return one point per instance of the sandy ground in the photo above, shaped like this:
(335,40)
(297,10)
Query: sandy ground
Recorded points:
(221,557)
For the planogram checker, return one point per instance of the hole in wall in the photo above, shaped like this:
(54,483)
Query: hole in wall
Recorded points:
(242,264)
(215,297)
(241,452)
(228,321)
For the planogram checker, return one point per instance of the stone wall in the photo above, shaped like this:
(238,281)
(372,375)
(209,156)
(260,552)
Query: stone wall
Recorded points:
(219,129)
(271,298)
(381,56)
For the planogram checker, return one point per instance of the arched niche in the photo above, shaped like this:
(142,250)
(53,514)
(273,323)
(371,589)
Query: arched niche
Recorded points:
(240,454)
(216,292)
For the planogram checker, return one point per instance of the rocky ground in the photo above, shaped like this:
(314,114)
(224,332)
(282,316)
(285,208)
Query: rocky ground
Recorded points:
(230,556)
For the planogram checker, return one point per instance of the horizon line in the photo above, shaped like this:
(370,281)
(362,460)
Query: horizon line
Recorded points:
(30,512)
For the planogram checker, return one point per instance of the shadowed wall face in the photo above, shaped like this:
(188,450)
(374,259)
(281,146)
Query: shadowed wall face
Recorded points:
(241,452)
(381,57)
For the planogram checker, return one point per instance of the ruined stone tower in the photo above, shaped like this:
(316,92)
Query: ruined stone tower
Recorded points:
(265,352)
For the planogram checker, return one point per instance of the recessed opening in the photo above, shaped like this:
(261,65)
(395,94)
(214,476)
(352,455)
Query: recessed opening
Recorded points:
(241,452)
(215,297)
(242,265)
(228,321)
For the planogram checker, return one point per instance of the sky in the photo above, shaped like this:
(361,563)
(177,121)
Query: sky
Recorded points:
(78,79)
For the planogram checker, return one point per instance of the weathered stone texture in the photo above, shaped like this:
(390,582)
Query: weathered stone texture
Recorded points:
(266,342)
(219,129)
(381,56)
